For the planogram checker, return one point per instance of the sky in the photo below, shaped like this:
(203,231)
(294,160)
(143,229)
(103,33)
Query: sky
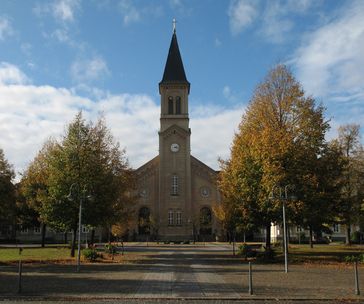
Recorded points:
(107,56)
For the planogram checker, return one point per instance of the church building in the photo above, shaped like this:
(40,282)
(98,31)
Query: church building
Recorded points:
(176,191)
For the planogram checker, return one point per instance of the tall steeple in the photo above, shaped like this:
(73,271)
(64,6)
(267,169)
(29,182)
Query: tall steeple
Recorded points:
(174,148)
(174,71)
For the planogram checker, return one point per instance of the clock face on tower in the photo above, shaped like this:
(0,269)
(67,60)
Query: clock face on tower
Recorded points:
(174,147)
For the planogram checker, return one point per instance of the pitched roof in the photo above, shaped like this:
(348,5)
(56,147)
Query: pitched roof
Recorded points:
(174,71)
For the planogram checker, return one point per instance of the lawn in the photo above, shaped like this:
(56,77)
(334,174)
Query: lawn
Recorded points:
(297,253)
(35,254)
(61,254)
(323,253)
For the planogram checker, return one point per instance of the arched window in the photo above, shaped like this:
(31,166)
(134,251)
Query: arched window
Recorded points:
(205,221)
(170,217)
(178,105)
(205,216)
(170,105)
(144,220)
(174,185)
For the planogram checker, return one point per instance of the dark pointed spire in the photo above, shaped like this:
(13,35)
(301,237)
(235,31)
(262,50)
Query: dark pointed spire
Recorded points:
(174,71)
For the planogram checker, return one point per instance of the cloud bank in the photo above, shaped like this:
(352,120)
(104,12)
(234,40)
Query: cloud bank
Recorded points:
(330,62)
(30,114)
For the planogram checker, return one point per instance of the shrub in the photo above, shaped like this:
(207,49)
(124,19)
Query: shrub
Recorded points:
(268,255)
(354,258)
(90,254)
(246,251)
(355,237)
(109,248)
(278,244)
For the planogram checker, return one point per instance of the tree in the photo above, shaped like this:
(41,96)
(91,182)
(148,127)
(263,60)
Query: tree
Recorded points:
(352,191)
(319,189)
(124,212)
(234,213)
(34,186)
(85,166)
(7,192)
(281,133)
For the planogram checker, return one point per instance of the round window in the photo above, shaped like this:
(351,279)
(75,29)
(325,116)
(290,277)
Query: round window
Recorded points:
(205,191)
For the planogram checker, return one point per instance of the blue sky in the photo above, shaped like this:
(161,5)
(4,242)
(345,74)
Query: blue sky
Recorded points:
(59,56)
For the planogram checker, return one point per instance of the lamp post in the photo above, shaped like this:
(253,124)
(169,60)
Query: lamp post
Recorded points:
(283,200)
(285,230)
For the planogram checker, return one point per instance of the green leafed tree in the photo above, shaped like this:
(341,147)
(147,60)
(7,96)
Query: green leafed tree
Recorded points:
(85,165)
(352,190)
(279,141)
(33,189)
(7,192)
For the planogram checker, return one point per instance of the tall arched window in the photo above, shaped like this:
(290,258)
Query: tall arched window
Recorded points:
(144,220)
(205,221)
(205,216)
(174,185)
(178,105)
(170,105)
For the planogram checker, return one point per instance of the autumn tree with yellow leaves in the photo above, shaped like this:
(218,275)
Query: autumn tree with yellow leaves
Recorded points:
(280,141)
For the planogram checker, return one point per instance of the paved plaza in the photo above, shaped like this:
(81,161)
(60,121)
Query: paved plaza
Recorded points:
(170,273)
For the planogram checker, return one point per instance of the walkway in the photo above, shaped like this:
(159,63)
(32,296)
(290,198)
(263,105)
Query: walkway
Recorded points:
(181,272)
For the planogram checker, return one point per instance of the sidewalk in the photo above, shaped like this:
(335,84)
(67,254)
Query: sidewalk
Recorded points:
(181,272)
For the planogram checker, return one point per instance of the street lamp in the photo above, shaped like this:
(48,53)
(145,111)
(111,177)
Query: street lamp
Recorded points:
(283,200)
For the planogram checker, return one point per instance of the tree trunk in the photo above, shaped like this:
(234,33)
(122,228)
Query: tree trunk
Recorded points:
(73,247)
(92,240)
(13,232)
(348,233)
(311,237)
(109,235)
(267,236)
(43,228)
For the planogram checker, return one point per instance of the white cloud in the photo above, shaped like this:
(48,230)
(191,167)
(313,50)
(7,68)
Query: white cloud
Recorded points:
(217,42)
(5,28)
(226,91)
(89,70)
(30,114)
(330,60)
(242,13)
(276,24)
(64,10)
(61,35)
(129,11)
(11,74)
(278,18)
(231,96)
(212,133)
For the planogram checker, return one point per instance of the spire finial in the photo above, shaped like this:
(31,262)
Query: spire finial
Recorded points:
(174,25)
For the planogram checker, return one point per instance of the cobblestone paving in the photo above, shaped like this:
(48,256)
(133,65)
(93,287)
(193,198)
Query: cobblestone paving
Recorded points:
(182,274)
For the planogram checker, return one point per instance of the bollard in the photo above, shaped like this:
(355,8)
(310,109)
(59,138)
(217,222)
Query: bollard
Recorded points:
(357,291)
(20,274)
(250,279)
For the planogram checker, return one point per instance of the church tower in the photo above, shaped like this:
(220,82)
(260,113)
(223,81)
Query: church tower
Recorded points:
(174,149)
(176,191)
